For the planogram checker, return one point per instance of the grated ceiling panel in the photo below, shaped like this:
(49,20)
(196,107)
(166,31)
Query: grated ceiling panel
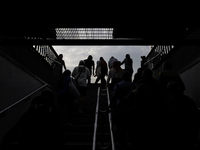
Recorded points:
(84,33)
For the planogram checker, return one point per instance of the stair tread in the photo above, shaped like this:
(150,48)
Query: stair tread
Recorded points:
(78,143)
(80,133)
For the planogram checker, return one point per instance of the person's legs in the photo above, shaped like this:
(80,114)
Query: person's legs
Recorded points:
(103,81)
(97,80)
(89,80)
(83,92)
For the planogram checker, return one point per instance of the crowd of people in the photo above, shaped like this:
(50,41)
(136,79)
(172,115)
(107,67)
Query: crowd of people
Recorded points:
(76,86)
(154,113)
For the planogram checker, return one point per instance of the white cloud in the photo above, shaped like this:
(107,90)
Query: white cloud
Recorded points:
(73,54)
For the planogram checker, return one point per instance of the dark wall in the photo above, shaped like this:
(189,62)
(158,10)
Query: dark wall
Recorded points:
(181,58)
(185,61)
(28,57)
(18,86)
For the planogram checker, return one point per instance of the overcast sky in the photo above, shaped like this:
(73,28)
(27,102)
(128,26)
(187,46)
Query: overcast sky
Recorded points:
(73,54)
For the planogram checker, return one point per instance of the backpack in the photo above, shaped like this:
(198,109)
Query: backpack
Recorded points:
(103,64)
(104,68)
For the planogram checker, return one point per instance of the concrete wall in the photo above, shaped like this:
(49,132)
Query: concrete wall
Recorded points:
(30,59)
(191,79)
(185,61)
(16,83)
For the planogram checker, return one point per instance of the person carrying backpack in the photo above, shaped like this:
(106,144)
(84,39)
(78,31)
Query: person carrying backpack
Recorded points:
(89,63)
(81,74)
(128,62)
(104,71)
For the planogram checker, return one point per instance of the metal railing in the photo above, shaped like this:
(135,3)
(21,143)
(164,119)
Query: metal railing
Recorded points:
(157,53)
(22,99)
(97,112)
(96,121)
(110,122)
(48,53)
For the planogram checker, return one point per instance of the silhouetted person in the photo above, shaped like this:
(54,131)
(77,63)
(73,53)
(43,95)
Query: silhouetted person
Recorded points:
(128,64)
(144,60)
(65,96)
(153,85)
(98,70)
(43,127)
(142,120)
(120,102)
(59,64)
(81,74)
(181,119)
(62,61)
(111,61)
(138,75)
(89,63)
(122,90)
(104,71)
(115,74)
(167,75)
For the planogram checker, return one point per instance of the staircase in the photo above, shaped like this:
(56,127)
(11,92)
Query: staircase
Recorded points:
(79,136)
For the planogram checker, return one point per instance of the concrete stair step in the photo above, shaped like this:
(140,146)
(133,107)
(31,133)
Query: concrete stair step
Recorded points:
(85,137)
(86,129)
(83,121)
(78,146)
(87,121)
(82,145)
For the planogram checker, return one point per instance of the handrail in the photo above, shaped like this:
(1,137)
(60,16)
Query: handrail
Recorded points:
(96,119)
(159,51)
(151,59)
(2,111)
(110,122)
(48,53)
